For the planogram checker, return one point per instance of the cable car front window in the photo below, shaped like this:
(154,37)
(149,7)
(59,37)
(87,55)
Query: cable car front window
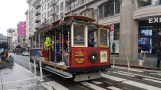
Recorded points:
(79,35)
(103,37)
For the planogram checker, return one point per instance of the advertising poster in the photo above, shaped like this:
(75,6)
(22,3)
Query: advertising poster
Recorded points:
(115,46)
(22,28)
(145,44)
(36,52)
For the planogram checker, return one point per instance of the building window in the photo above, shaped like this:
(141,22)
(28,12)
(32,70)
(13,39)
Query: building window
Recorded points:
(61,6)
(45,14)
(48,13)
(117,6)
(57,8)
(56,17)
(109,8)
(101,11)
(61,15)
(142,3)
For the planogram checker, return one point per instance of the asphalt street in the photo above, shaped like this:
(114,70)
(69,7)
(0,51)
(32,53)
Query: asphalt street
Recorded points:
(117,78)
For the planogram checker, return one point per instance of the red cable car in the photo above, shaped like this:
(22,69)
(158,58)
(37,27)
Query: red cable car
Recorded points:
(73,47)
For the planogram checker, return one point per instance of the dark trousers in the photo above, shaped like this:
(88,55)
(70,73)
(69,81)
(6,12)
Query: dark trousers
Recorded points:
(58,57)
(158,62)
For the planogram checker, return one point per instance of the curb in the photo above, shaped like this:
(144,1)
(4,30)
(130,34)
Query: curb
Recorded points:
(140,67)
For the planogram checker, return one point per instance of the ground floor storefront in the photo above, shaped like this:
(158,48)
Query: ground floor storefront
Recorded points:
(143,37)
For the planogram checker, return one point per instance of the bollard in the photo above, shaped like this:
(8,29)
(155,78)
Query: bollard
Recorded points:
(41,74)
(113,62)
(128,63)
(35,67)
(30,67)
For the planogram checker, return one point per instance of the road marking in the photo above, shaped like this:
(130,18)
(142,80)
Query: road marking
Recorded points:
(113,78)
(152,80)
(141,85)
(132,83)
(55,85)
(90,85)
(97,82)
(126,74)
(137,70)
(159,74)
(131,75)
(131,69)
(140,75)
(114,88)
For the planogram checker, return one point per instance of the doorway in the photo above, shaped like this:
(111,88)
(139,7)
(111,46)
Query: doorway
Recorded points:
(149,38)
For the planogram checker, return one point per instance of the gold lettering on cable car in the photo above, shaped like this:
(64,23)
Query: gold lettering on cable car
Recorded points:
(79,57)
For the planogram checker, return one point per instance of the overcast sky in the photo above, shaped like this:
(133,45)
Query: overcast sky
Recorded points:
(11,12)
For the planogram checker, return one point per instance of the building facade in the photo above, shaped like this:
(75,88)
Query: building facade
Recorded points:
(43,12)
(10,32)
(136,23)
(27,31)
(3,38)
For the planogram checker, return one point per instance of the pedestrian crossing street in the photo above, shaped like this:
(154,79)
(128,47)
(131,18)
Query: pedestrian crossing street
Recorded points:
(117,78)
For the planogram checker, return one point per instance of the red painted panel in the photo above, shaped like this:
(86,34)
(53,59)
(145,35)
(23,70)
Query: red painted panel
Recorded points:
(80,53)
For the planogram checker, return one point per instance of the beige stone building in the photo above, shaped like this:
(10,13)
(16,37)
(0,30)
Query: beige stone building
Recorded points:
(136,23)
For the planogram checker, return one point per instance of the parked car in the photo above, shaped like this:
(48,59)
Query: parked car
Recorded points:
(26,54)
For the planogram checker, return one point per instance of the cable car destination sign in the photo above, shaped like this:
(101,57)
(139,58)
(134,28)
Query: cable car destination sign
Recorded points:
(79,57)
(155,20)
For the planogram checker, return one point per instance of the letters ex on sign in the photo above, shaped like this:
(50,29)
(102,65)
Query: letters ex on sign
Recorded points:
(155,20)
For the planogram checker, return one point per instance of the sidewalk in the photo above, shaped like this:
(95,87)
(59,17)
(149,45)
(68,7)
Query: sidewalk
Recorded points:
(18,78)
(148,63)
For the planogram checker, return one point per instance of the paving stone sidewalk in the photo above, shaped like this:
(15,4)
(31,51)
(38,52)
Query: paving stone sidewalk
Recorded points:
(18,78)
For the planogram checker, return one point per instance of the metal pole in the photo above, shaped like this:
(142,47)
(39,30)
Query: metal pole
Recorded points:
(35,67)
(41,74)
(30,67)
(113,62)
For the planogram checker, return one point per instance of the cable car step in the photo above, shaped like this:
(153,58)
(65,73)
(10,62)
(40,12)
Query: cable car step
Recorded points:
(87,76)
(58,72)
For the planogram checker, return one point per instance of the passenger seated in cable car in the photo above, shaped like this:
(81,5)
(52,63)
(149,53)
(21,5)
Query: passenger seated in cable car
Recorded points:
(65,52)
(58,53)
(91,43)
(79,40)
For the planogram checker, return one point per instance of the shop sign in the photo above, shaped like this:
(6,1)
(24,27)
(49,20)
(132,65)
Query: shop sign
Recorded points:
(155,20)
(79,57)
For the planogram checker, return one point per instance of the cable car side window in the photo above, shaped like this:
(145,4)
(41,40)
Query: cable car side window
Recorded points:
(79,35)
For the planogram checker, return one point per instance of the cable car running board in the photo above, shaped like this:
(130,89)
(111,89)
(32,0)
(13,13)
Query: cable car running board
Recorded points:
(58,72)
(87,76)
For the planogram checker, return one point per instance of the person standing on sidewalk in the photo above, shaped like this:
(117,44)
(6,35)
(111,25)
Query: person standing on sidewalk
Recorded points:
(158,58)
